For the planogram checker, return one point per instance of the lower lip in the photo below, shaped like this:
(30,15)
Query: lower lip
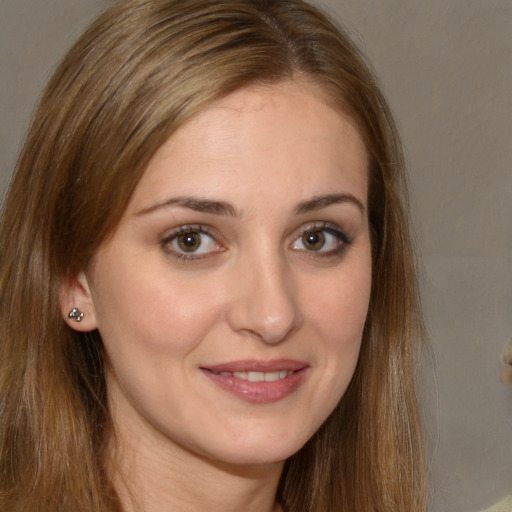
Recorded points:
(258,392)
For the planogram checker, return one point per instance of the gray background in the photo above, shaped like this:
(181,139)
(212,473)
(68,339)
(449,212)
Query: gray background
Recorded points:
(446,66)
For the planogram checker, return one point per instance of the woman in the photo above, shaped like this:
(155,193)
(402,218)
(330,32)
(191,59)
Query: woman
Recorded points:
(208,294)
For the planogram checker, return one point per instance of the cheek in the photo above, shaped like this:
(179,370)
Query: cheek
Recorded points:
(154,312)
(150,328)
(340,308)
(338,315)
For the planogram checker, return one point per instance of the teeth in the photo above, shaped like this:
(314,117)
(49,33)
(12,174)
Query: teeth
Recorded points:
(261,376)
(255,376)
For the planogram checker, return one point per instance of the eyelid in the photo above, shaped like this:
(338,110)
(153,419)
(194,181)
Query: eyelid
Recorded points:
(167,239)
(329,227)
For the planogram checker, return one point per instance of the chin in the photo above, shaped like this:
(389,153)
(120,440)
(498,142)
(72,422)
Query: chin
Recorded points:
(264,450)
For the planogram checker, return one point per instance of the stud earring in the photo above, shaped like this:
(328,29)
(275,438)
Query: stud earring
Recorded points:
(76,315)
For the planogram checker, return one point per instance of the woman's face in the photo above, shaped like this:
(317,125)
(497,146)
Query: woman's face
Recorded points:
(232,297)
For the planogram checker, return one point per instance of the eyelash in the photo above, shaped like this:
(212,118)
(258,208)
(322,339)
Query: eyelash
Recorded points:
(342,238)
(190,229)
(333,230)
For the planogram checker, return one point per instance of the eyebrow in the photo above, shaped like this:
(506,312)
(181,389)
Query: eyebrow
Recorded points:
(320,202)
(222,208)
(194,203)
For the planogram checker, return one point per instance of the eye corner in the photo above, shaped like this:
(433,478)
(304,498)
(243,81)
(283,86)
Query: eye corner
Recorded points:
(321,239)
(191,243)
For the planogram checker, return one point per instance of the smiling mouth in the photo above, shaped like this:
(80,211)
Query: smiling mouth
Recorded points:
(257,376)
(259,382)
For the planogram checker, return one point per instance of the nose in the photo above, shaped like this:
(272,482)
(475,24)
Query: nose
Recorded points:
(264,301)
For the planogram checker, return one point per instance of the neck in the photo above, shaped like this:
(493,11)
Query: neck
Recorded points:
(157,476)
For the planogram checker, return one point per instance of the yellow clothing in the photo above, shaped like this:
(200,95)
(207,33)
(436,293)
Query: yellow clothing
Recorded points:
(503,506)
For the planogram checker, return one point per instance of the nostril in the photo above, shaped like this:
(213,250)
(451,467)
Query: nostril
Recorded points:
(252,333)
(265,306)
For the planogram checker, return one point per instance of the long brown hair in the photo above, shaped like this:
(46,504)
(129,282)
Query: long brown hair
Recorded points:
(136,75)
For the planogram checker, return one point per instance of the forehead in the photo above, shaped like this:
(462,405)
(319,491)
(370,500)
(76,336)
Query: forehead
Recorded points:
(285,135)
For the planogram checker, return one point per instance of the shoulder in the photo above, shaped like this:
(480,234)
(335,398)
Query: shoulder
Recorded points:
(503,506)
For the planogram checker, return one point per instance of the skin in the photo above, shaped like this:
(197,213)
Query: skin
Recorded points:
(256,289)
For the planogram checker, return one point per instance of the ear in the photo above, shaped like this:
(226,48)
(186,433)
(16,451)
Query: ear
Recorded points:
(75,293)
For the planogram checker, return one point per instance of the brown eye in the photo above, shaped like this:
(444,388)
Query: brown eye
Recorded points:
(313,240)
(189,242)
(325,240)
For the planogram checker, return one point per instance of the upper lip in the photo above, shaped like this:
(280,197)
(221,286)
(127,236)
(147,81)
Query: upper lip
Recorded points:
(257,366)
